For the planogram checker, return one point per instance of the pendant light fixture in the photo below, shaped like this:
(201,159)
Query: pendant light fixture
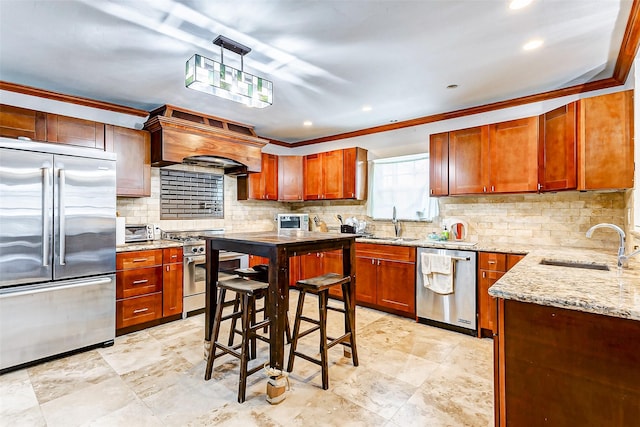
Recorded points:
(216,78)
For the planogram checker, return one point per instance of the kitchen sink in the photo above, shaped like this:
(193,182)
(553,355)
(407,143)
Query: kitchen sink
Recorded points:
(574,264)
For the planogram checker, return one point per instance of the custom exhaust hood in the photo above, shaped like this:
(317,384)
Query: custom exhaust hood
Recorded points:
(183,136)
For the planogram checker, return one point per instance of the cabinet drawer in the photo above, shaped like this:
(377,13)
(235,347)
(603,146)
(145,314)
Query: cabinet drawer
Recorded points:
(492,261)
(137,310)
(392,252)
(137,259)
(130,283)
(172,255)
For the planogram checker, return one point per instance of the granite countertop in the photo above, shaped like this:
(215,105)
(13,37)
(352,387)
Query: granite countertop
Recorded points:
(145,246)
(613,293)
(449,244)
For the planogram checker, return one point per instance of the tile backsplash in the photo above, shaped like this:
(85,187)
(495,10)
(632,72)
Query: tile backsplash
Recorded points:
(559,219)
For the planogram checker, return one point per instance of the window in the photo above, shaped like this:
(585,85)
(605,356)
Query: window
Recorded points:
(402,182)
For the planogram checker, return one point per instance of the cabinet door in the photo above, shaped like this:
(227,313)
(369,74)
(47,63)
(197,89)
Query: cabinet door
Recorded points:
(138,281)
(513,156)
(255,260)
(73,131)
(310,265)
(254,181)
(333,174)
(133,164)
(605,141)
(294,270)
(332,263)
(313,176)
(557,149)
(290,178)
(366,282)
(21,122)
(439,164)
(172,289)
(513,259)
(396,285)
(270,176)
(469,160)
(487,309)
(133,311)
(355,173)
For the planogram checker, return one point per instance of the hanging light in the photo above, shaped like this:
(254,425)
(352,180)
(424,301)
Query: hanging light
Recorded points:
(216,78)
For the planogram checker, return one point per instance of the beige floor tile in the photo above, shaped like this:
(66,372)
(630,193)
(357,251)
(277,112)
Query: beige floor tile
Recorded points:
(18,399)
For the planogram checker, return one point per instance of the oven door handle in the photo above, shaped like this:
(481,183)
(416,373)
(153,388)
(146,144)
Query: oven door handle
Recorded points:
(195,259)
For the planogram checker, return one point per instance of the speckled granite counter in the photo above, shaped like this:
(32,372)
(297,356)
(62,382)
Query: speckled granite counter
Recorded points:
(451,244)
(145,246)
(613,293)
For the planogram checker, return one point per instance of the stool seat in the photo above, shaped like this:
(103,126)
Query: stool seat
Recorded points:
(320,283)
(320,286)
(243,285)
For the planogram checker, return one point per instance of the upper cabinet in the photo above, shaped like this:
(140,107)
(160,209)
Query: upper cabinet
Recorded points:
(337,174)
(290,178)
(605,142)
(133,164)
(323,175)
(439,164)
(513,148)
(469,160)
(557,150)
(584,145)
(262,185)
(73,131)
(496,158)
(18,122)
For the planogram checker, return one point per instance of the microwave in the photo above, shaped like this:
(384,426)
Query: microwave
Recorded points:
(293,222)
(138,233)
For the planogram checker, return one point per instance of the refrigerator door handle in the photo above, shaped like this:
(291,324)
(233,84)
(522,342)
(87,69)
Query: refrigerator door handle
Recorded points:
(47,287)
(46,197)
(61,215)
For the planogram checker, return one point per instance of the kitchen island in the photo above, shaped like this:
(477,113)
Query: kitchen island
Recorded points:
(278,247)
(567,351)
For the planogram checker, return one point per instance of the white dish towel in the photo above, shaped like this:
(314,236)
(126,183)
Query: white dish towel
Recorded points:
(437,272)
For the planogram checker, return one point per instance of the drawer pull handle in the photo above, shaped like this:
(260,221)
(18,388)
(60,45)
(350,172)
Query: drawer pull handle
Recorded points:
(139,260)
(140,310)
(492,262)
(138,282)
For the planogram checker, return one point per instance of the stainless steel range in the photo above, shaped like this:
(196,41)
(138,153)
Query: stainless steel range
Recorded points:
(194,266)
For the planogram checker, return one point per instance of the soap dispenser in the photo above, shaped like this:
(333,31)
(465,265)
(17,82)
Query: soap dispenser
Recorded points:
(445,233)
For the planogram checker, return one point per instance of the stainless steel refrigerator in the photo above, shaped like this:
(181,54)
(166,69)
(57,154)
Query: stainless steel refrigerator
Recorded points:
(57,250)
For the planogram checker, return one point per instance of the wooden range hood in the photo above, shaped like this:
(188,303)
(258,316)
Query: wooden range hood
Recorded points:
(183,136)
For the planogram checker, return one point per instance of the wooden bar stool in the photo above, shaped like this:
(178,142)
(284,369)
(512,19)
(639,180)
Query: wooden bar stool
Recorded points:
(320,286)
(248,291)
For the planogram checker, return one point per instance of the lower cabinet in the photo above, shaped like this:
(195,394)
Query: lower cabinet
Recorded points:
(491,267)
(318,263)
(386,276)
(147,288)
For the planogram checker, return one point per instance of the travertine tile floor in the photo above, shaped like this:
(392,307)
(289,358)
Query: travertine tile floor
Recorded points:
(409,374)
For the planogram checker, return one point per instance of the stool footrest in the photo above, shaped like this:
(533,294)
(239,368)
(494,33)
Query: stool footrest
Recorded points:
(333,341)
(308,358)
(308,331)
(227,350)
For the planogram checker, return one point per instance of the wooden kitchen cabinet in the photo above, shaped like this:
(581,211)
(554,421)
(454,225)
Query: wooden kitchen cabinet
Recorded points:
(469,160)
(262,185)
(74,131)
(496,158)
(172,281)
(605,142)
(337,174)
(491,267)
(18,122)
(562,367)
(256,260)
(354,173)
(133,163)
(290,178)
(138,287)
(386,278)
(557,150)
(439,164)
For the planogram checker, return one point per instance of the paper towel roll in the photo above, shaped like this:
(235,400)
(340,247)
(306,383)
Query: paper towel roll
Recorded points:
(120,222)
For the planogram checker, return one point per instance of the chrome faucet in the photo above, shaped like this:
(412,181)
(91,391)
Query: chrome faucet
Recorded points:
(396,224)
(623,260)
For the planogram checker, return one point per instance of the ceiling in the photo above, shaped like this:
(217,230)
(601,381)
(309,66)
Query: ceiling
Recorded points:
(327,59)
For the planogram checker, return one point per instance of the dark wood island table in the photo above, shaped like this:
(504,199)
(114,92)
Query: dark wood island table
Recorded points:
(278,248)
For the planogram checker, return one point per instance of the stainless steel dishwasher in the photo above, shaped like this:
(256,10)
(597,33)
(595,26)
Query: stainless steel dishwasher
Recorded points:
(455,311)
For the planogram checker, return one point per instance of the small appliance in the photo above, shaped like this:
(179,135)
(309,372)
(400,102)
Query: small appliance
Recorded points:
(138,233)
(291,221)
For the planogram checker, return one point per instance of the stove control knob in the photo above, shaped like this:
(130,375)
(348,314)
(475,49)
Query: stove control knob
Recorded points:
(194,249)
(201,250)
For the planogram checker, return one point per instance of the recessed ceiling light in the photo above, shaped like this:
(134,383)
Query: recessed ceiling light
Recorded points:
(307,123)
(533,44)
(393,121)
(452,86)
(519,4)
(367,108)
